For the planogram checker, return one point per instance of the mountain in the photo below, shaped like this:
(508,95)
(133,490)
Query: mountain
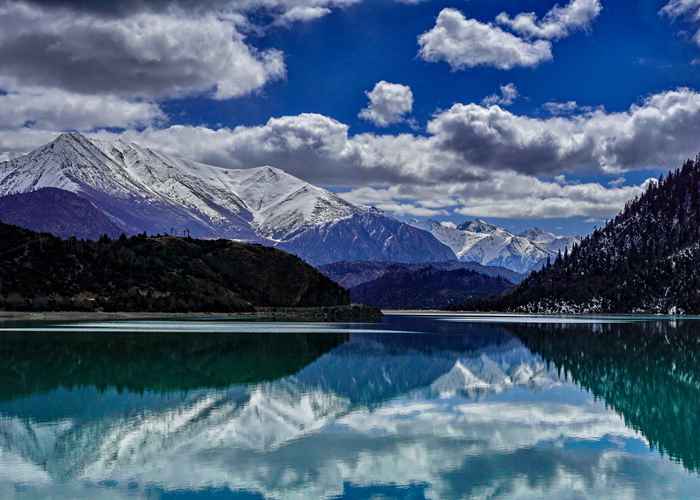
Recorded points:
(643,260)
(142,190)
(58,212)
(351,274)
(426,288)
(162,274)
(366,237)
(490,245)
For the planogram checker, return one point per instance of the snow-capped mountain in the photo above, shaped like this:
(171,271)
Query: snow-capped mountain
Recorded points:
(140,189)
(490,245)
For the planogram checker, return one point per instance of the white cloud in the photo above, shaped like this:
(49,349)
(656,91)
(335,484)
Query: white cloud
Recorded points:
(389,103)
(302,14)
(658,132)
(300,10)
(565,108)
(558,23)
(509,93)
(617,182)
(466,43)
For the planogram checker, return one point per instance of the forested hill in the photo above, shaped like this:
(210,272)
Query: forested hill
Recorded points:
(161,274)
(644,260)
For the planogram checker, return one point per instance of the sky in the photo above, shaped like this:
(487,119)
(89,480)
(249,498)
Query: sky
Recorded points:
(524,113)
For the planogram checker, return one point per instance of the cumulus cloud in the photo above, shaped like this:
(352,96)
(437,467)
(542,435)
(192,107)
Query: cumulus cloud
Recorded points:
(558,23)
(509,93)
(389,103)
(660,131)
(467,43)
(150,55)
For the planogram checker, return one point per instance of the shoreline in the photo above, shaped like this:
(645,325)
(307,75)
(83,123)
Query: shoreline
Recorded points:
(330,314)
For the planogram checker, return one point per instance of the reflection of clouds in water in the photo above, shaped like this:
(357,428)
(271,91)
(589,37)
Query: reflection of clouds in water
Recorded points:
(452,445)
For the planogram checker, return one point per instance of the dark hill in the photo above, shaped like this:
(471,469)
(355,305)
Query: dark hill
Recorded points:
(56,211)
(426,288)
(644,260)
(163,274)
(350,274)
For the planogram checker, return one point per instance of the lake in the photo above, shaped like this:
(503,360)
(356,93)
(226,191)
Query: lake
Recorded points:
(418,406)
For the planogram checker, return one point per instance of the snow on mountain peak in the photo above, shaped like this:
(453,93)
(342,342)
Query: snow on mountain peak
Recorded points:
(141,189)
(478,226)
(538,235)
(490,245)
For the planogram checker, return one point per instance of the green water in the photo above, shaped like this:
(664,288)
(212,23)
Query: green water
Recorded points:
(416,407)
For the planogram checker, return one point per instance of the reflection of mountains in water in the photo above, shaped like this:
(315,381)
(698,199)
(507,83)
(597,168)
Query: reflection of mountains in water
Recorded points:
(649,373)
(114,412)
(161,362)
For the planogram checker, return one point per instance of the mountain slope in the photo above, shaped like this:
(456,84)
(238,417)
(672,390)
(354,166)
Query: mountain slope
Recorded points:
(426,288)
(367,237)
(58,212)
(645,259)
(162,274)
(490,245)
(142,190)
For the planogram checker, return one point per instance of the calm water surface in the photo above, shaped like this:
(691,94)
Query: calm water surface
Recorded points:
(415,407)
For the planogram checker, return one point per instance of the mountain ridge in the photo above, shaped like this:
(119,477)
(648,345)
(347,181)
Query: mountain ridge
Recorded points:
(643,260)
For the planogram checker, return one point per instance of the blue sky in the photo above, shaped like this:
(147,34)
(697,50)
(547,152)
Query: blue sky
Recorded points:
(601,95)
(629,52)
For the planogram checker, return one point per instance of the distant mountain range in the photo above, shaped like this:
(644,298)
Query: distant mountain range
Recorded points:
(75,186)
(490,245)
(644,260)
(420,286)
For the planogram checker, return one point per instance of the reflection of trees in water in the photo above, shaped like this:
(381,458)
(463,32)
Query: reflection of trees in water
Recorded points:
(647,372)
(40,362)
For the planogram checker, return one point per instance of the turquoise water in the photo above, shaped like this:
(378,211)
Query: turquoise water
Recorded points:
(415,407)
